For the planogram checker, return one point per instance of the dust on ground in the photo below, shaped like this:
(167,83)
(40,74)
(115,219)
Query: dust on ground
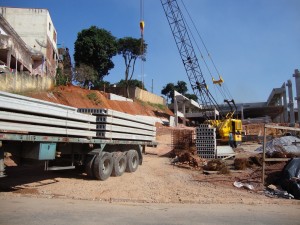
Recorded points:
(156,181)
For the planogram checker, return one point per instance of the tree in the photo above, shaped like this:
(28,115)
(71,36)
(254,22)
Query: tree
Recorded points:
(131,83)
(131,49)
(168,91)
(180,87)
(64,69)
(85,75)
(95,48)
(191,96)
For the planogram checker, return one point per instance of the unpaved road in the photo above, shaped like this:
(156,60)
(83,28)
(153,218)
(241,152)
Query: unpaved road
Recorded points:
(20,210)
(156,181)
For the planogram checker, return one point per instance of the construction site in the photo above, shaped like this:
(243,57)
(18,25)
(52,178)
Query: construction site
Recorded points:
(128,145)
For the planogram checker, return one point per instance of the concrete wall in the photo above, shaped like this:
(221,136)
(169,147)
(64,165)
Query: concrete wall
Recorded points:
(23,82)
(137,93)
(149,97)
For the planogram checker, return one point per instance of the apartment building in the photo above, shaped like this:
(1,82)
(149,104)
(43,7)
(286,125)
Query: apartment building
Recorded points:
(36,29)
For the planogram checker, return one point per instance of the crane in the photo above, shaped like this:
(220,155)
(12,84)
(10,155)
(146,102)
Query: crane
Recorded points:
(227,124)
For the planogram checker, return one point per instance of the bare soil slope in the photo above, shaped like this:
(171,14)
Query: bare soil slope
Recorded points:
(83,98)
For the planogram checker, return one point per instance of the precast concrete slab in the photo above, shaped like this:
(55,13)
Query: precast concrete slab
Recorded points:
(124,122)
(18,127)
(114,135)
(33,119)
(115,114)
(122,129)
(31,100)
(10,104)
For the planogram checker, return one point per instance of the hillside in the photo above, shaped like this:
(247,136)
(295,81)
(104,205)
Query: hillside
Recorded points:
(83,98)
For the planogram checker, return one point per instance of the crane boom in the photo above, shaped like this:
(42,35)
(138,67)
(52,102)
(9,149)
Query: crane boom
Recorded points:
(188,56)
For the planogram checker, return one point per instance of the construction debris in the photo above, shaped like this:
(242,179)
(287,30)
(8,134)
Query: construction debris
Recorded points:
(245,185)
(217,165)
(283,147)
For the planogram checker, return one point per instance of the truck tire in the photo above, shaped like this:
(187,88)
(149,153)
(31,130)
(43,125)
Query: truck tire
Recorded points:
(103,166)
(89,165)
(132,161)
(120,163)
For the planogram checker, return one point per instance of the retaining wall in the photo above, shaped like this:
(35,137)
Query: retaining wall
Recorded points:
(22,82)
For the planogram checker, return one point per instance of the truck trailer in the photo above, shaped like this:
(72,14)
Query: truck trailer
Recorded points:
(102,141)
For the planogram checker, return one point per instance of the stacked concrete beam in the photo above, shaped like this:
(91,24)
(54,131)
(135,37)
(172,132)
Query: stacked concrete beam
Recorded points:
(20,114)
(113,124)
(206,143)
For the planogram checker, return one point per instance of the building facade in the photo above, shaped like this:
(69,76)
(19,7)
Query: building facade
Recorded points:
(36,29)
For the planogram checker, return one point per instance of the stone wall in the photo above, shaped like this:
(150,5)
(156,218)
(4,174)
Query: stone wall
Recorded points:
(22,82)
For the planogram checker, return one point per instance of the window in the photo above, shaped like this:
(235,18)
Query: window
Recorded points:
(49,26)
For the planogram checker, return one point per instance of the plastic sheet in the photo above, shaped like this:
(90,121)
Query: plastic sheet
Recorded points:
(291,178)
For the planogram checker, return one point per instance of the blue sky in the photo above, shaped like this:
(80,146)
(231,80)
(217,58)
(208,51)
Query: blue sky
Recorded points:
(254,43)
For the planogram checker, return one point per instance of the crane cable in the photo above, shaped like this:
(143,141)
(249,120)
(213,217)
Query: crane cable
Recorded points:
(226,90)
(142,50)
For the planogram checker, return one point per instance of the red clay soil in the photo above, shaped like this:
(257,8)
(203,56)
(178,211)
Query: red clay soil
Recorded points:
(83,98)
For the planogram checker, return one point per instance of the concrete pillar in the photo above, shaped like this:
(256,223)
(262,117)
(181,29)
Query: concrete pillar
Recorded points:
(8,59)
(291,103)
(285,105)
(297,81)
(2,166)
(176,111)
(242,112)
(183,109)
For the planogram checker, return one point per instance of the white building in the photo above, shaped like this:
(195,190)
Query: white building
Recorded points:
(36,29)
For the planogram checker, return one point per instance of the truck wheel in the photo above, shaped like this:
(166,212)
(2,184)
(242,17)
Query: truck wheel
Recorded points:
(89,165)
(120,161)
(132,161)
(103,166)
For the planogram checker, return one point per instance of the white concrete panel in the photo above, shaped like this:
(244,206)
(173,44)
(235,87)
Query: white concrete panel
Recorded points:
(32,119)
(17,127)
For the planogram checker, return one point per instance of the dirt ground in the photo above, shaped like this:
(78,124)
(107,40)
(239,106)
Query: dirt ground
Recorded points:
(156,181)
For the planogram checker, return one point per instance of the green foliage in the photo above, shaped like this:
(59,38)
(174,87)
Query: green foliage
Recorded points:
(131,83)
(95,47)
(60,78)
(85,74)
(180,87)
(191,96)
(131,49)
(94,98)
(168,91)
(158,106)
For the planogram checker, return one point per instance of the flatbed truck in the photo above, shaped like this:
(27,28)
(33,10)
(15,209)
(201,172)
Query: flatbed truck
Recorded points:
(101,158)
